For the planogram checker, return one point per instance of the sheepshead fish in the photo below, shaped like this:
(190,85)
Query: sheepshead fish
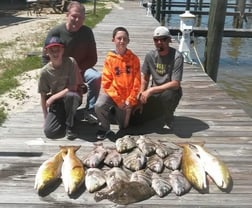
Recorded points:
(173,160)
(95,179)
(142,177)
(180,185)
(73,173)
(48,172)
(192,168)
(145,144)
(161,186)
(155,163)
(162,150)
(97,155)
(124,193)
(113,158)
(125,143)
(114,175)
(214,167)
(134,160)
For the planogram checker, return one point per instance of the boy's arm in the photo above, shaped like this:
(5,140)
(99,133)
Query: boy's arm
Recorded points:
(43,104)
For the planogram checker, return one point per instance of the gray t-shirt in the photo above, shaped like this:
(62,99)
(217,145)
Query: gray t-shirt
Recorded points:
(163,68)
(55,80)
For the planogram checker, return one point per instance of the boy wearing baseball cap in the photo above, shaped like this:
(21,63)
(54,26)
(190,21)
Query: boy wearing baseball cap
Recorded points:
(59,85)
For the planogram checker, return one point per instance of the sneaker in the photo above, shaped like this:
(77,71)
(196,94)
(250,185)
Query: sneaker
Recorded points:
(91,117)
(70,135)
(169,122)
(101,134)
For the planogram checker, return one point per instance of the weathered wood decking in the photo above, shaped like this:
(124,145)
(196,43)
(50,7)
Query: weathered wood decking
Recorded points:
(205,113)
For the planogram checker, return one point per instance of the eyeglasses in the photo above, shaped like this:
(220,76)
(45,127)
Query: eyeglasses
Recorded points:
(160,39)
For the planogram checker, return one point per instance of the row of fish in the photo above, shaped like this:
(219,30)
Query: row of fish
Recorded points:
(135,169)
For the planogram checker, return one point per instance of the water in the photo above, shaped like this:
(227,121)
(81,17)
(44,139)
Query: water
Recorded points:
(235,71)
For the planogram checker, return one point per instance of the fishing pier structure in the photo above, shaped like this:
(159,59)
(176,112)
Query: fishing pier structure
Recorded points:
(205,114)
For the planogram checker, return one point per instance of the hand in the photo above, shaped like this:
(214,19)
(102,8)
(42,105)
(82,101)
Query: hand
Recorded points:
(144,96)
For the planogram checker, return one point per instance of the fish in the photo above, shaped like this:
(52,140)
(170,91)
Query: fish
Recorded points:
(124,193)
(162,150)
(48,172)
(114,175)
(141,176)
(161,186)
(72,171)
(134,160)
(214,167)
(155,163)
(173,160)
(113,158)
(145,144)
(125,144)
(94,179)
(180,185)
(95,157)
(192,168)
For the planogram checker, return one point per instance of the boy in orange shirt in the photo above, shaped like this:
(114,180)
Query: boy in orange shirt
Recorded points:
(120,84)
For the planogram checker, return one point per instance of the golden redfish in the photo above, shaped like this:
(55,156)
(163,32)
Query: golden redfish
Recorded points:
(48,172)
(73,173)
(214,167)
(192,168)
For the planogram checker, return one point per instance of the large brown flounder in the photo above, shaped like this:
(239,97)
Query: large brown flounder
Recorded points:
(72,171)
(96,156)
(214,167)
(48,172)
(192,168)
(124,193)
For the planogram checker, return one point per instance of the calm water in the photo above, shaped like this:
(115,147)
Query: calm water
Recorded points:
(235,71)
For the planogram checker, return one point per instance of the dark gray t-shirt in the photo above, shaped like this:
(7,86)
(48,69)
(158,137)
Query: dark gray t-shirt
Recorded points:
(163,68)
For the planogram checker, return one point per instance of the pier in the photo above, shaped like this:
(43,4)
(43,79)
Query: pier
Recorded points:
(205,114)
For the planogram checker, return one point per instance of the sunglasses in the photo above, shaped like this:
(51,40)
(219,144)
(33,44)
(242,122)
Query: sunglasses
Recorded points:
(160,39)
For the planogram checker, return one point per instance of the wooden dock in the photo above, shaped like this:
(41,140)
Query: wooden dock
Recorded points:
(205,114)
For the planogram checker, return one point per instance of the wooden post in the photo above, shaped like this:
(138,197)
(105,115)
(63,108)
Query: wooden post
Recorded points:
(238,20)
(158,8)
(216,23)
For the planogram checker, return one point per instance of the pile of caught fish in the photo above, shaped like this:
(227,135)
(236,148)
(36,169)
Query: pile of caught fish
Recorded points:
(134,170)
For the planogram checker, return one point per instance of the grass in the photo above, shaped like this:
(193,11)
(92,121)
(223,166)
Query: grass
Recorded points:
(8,78)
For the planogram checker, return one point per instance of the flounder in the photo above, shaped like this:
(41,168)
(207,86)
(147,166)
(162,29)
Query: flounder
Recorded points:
(114,175)
(96,156)
(161,186)
(125,143)
(162,150)
(113,158)
(134,160)
(145,144)
(173,160)
(124,193)
(95,179)
(155,163)
(180,185)
(142,177)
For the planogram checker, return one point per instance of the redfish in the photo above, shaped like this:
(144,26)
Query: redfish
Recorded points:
(72,171)
(48,172)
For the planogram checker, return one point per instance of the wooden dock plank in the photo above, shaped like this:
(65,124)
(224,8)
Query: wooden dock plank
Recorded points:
(205,114)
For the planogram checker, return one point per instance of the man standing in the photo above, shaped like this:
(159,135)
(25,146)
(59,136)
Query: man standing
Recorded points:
(80,44)
(165,66)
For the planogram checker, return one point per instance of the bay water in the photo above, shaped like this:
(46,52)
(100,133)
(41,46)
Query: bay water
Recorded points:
(235,64)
